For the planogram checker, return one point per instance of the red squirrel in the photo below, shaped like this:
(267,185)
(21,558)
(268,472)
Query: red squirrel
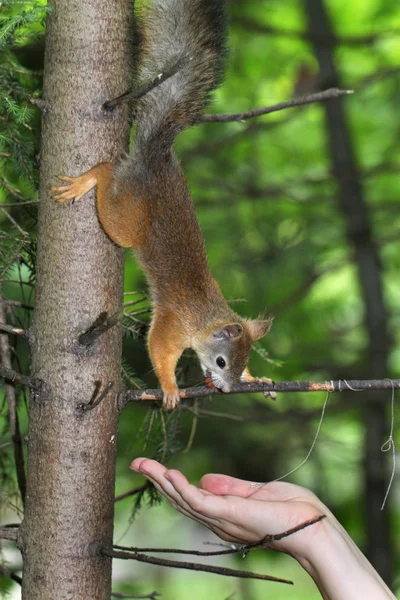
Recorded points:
(143,201)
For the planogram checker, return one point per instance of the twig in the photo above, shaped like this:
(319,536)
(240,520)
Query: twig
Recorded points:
(97,397)
(242,548)
(14,222)
(10,189)
(12,330)
(151,596)
(14,377)
(102,324)
(131,492)
(40,103)
(9,533)
(339,385)
(12,409)
(191,566)
(10,574)
(12,204)
(144,89)
(243,116)
(19,304)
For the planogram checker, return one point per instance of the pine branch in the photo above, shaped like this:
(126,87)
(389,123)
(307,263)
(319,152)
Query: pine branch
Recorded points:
(191,566)
(243,116)
(279,386)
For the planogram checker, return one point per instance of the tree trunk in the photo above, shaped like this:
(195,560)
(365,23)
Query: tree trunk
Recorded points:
(71,452)
(359,233)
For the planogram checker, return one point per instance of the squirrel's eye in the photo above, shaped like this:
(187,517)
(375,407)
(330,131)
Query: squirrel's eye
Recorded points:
(220,362)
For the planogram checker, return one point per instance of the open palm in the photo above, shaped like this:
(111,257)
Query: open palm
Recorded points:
(236,510)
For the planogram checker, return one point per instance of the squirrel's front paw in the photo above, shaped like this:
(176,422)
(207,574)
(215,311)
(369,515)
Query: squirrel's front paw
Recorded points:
(171,398)
(266,380)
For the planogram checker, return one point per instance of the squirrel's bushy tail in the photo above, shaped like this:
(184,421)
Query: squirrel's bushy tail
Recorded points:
(191,32)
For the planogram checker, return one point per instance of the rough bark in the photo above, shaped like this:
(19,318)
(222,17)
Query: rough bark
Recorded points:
(71,453)
(352,203)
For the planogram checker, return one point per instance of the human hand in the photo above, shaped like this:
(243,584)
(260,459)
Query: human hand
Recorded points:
(236,510)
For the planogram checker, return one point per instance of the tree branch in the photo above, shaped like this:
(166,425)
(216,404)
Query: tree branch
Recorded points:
(190,566)
(131,492)
(10,574)
(9,533)
(13,330)
(14,377)
(151,596)
(264,543)
(318,97)
(102,324)
(144,89)
(339,385)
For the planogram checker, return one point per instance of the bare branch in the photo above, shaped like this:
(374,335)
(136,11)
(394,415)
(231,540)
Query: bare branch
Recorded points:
(12,330)
(10,574)
(14,377)
(151,596)
(265,542)
(40,103)
(9,533)
(144,89)
(191,566)
(97,396)
(14,222)
(102,324)
(339,385)
(14,192)
(243,116)
(15,204)
(131,492)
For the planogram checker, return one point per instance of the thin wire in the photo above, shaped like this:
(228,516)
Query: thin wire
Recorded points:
(389,445)
(352,389)
(314,441)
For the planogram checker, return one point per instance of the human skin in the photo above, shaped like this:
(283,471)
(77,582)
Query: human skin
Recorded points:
(242,512)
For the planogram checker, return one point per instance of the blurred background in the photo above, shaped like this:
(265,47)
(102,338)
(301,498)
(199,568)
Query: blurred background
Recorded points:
(300,213)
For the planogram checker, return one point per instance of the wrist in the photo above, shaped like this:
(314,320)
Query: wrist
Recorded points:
(337,565)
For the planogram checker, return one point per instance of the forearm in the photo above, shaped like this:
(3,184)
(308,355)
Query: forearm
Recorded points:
(339,568)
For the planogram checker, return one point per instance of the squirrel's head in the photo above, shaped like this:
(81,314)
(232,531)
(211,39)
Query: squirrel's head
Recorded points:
(224,350)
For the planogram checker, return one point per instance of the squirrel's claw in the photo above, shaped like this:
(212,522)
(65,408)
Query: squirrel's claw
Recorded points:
(171,399)
(271,394)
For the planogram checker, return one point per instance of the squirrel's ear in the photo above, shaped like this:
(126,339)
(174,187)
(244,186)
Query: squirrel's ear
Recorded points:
(259,327)
(228,332)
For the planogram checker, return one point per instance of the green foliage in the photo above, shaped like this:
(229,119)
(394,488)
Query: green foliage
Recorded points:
(21,25)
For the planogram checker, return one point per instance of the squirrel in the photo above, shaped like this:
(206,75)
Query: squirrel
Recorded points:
(143,201)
